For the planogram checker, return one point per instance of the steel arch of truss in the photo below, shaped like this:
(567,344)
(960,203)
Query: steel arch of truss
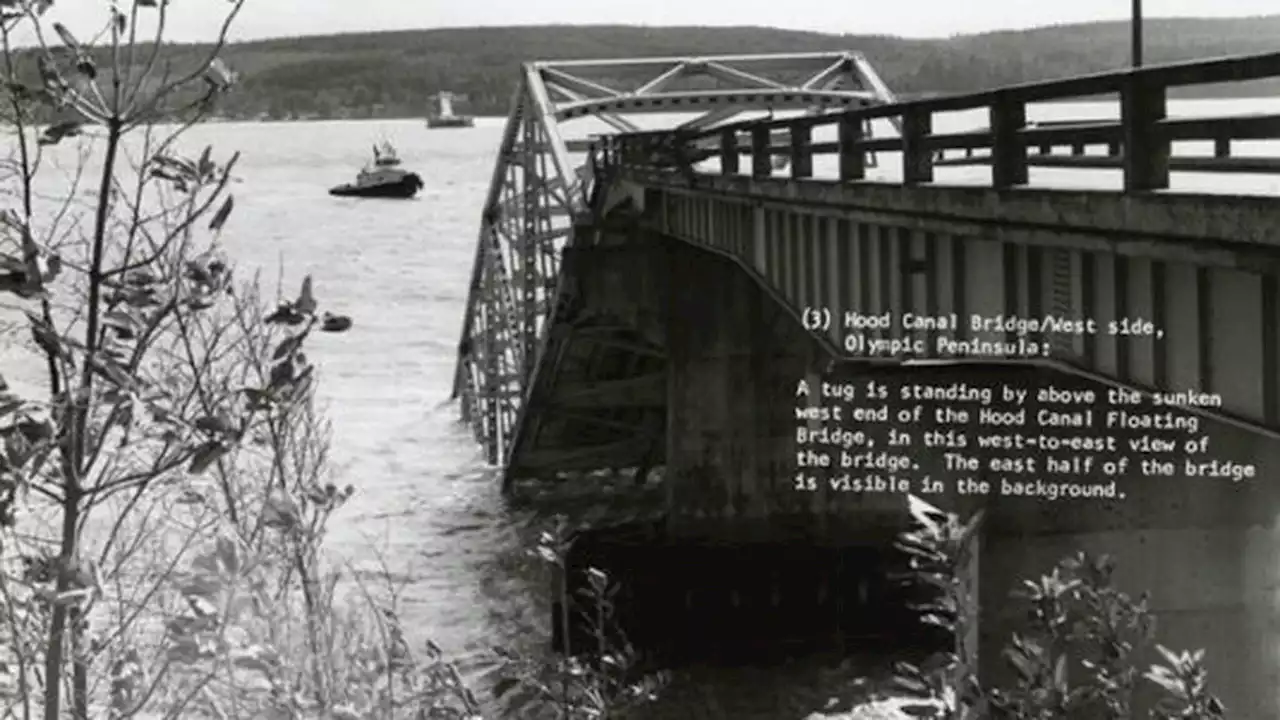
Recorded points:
(537,190)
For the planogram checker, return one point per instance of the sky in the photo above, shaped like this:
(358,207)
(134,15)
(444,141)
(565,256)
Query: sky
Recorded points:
(196,20)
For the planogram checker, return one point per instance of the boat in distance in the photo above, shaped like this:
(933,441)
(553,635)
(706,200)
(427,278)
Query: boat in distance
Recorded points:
(445,117)
(383,178)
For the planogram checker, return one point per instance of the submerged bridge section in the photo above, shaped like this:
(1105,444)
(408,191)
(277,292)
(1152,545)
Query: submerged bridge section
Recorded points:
(653,308)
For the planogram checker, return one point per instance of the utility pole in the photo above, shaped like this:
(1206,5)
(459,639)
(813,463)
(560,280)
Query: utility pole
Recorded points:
(1135,27)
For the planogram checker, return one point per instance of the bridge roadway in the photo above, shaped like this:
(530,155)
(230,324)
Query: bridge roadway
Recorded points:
(671,325)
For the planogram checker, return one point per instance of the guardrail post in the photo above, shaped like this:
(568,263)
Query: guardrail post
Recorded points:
(853,160)
(728,152)
(626,151)
(1008,149)
(917,158)
(761,159)
(801,150)
(1146,150)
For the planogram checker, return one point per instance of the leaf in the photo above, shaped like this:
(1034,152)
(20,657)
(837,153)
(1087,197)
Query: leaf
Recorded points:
(1021,663)
(1169,656)
(229,555)
(35,431)
(182,168)
(55,133)
(257,399)
(504,686)
(252,662)
(306,302)
(67,38)
(9,406)
(288,346)
(215,424)
(16,283)
(140,277)
(72,597)
(190,497)
(46,339)
(925,514)
(279,514)
(220,217)
(205,166)
(205,456)
(113,372)
(912,686)
(285,314)
(186,652)
(920,711)
(1060,674)
(335,323)
(281,375)
(122,322)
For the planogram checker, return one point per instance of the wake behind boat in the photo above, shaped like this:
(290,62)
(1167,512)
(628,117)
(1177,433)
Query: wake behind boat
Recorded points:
(383,178)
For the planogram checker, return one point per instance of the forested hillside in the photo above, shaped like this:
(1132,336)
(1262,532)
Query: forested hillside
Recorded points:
(392,74)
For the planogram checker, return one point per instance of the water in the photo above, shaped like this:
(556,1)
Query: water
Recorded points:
(426,501)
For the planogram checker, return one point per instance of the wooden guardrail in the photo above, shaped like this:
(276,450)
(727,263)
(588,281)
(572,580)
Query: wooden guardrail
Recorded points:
(1140,143)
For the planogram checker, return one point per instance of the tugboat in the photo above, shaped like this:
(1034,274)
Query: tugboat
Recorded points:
(383,178)
(445,117)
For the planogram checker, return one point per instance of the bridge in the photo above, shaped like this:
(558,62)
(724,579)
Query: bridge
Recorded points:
(645,300)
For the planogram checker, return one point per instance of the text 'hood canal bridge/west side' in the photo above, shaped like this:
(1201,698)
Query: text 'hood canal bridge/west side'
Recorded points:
(653,300)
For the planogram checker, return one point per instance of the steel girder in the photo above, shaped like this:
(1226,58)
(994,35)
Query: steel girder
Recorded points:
(538,187)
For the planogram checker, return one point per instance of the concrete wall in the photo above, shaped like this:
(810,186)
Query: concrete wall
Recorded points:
(735,357)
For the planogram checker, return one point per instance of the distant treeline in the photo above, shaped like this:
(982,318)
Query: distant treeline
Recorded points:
(393,74)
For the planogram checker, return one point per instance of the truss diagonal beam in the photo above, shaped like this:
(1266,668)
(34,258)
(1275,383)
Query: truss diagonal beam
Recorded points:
(832,72)
(660,82)
(577,84)
(725,72)
(617,123)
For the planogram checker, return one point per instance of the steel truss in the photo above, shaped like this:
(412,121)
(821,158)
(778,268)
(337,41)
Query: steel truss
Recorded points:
(538,188)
